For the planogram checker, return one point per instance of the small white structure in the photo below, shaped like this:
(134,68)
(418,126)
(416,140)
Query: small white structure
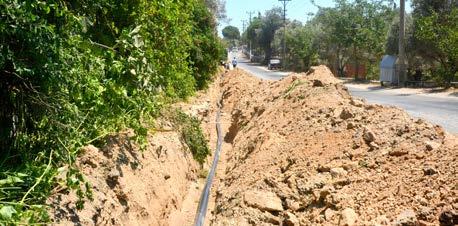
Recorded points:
(388,69)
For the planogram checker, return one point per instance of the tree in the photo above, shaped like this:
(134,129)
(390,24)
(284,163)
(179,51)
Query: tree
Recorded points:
(436,35)
(217,8)
(262,32)
(301,52)
(424,8)
(353,31)
(271,22)
(206,48)
(231,33)
(252,34)
(412,50)
(440,32)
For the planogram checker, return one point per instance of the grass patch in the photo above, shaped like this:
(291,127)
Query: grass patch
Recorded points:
(203,173)
(293,86)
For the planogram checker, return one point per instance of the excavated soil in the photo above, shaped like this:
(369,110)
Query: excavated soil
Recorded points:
(160,185)
(304,152)
(131,187)
(300,151)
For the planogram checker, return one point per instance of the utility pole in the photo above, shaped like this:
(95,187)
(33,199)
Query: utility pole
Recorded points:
(285,2)
(400,63)
(250,13)
(244,25)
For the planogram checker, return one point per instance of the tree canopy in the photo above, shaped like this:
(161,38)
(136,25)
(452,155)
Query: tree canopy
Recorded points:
(359,33)
(436,37)
(231,33)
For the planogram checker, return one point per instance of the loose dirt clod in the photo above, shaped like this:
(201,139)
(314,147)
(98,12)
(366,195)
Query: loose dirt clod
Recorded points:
(407,218)
(348,217)
(263,200)
(329,159)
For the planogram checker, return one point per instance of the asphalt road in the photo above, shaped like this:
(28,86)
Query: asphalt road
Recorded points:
(255,68)
(438,110)
(260,71)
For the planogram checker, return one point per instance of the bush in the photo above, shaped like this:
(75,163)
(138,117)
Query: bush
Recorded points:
(191,134)
(72,73)
(437,32)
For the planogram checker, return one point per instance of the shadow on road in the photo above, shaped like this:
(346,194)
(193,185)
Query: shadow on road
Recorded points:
(251,63)
(404,94)
(373,88)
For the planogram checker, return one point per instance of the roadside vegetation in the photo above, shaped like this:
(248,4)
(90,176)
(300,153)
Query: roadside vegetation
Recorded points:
(74,72)
(231,35)
(191,134)
(357,34)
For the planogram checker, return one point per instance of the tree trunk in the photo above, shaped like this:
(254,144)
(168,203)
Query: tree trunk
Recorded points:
(356,68)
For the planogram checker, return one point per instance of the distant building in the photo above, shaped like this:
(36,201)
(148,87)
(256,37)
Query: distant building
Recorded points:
(351,71)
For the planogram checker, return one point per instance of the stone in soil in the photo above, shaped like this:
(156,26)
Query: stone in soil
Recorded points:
(407,218)
(263,200)
(348,217)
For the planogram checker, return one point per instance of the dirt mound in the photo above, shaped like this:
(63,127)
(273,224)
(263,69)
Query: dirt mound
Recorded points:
(306,153)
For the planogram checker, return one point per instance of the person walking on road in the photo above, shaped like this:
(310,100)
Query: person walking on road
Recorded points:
(234,62)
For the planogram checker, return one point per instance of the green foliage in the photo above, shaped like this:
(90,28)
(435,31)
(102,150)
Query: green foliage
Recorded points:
(73,72)
(431,40)
(392,43)
(222,51)
(292,87)
(252,34)
(360,33)
(261,32)
(231,33)
(191,134)
(353,32)
(271,22)
(349,32)
(439,32)
(301,48)
(206,48)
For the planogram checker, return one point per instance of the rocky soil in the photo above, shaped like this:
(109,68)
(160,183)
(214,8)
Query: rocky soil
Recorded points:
(300,151)
(130,187)
(304,152)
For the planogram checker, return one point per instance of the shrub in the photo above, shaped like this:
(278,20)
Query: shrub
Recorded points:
(191,134)
(73,72)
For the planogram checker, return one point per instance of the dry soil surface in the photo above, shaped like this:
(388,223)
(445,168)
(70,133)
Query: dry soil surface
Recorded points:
(304,152)
(300,151)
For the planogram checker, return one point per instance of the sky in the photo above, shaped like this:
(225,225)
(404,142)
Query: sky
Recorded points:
(237,10)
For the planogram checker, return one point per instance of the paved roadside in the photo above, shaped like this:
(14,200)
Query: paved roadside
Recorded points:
(429,92)
(438,109)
